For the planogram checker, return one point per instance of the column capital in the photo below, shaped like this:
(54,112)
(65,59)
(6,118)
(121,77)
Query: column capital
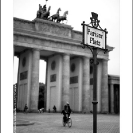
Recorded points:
(66,54)
(36,49)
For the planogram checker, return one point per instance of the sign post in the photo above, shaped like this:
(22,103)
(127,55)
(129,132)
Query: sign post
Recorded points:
(94,38)
(94,90)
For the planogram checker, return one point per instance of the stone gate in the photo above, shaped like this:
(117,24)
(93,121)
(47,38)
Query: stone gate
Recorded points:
(69,70)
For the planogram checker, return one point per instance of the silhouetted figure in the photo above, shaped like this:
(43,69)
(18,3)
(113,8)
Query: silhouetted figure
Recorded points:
(68,109)
(54,108)
(25,108)
(64,112)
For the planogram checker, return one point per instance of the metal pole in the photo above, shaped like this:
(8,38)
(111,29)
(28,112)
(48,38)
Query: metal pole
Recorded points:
(94,90)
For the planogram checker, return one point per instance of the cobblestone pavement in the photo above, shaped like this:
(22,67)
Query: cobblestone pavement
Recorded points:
(81,123)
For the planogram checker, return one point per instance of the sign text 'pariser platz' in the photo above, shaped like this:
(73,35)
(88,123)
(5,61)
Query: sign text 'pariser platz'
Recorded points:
(94,37)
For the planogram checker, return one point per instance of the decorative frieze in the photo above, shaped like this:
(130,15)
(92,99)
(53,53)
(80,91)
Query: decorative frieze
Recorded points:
(49,27)
(23,24)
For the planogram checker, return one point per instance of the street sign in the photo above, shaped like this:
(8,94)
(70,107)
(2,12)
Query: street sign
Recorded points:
(94,37)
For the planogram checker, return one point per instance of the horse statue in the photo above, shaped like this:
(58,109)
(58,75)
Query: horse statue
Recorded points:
(55,16)
(62,18)
(39,12)
(45,15)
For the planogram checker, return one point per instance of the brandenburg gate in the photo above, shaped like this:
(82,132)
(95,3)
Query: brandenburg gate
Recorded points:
(69,70)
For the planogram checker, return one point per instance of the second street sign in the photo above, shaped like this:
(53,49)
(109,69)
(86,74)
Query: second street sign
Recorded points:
(94,37)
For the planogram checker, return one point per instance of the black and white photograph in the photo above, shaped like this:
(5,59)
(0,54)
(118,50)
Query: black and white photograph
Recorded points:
(67,75)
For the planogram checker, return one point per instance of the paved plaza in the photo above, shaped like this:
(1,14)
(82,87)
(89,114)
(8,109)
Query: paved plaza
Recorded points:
(52,123)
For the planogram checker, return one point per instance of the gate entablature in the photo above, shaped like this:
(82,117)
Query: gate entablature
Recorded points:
(51,36)
(50,27)
(44,27)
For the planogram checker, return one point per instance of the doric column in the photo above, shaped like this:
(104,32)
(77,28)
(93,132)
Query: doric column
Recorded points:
(104,87)
(65,79)
(86,85)
(112,97)
(34,80)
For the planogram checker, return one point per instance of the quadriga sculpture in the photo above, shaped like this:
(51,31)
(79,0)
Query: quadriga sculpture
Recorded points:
(55,16)
(62,18)
(46,14)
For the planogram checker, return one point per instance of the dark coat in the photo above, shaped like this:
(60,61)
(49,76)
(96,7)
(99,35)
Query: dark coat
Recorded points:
(67,108)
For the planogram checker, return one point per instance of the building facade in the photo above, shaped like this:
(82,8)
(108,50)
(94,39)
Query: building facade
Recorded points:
(69,70)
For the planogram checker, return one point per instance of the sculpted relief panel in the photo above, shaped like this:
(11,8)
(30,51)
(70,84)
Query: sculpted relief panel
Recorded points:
(23,24)
(47,27)
(43,26)
(53,29)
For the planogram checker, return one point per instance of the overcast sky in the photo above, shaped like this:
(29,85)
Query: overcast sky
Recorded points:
(79,11)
